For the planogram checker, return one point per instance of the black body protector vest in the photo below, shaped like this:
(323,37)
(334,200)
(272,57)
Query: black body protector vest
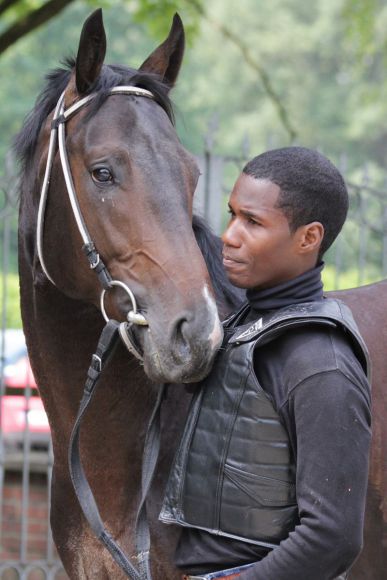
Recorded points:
(234,473)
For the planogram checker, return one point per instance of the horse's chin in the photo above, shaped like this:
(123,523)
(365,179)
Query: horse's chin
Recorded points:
(162,364)
(160,371)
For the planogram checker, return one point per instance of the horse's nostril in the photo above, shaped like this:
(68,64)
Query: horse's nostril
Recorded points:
(182,339)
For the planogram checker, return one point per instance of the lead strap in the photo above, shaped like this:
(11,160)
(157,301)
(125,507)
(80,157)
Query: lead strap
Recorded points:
(106,346)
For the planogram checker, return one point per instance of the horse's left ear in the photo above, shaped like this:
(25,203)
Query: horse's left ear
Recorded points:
(91,52)
(166,59)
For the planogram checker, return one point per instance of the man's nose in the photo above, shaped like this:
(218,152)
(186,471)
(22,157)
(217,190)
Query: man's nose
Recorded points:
(230,236)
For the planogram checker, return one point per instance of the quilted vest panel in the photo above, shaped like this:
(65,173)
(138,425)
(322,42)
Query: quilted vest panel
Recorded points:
(234,474)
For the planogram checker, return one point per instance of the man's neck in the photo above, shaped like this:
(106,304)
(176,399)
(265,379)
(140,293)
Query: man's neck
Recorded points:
(306,287)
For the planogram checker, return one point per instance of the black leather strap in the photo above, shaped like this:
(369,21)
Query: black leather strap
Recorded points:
(97,264)
(149,461)
(105,349)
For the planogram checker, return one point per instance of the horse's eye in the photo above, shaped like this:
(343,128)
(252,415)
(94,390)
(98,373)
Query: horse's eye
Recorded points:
(102,175)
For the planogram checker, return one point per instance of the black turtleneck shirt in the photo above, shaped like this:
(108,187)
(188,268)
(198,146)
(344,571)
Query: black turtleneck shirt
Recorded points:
(327,417)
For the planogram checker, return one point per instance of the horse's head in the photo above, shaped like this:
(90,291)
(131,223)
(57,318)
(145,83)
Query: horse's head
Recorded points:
(134,182)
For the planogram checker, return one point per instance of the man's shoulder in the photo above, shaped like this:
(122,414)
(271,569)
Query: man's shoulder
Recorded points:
(309,353)
(313,345)
(328,312)
(314,349)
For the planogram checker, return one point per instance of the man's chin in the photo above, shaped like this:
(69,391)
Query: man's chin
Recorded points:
(237,281)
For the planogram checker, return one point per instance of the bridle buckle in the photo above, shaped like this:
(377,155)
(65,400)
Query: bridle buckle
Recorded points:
(96,362)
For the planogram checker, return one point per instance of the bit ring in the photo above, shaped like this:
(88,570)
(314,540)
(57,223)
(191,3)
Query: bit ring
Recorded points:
(133,315)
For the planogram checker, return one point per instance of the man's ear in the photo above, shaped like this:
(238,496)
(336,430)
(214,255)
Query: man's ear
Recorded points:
(310,237)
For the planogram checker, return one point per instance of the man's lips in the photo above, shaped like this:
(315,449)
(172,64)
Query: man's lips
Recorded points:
(229,261)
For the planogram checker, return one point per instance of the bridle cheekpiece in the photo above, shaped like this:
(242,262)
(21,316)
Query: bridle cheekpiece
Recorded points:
(58,133)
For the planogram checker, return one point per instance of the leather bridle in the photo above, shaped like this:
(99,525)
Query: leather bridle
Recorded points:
(108,340)
(58,133)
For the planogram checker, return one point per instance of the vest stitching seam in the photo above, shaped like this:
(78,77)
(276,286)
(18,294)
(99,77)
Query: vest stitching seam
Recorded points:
(255,476)
(184,456)
(220,478)
(246,490)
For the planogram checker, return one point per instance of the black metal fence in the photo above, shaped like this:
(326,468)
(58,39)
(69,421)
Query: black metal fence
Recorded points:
(26,547)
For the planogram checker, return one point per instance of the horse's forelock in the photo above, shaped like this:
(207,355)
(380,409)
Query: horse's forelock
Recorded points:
(56,82)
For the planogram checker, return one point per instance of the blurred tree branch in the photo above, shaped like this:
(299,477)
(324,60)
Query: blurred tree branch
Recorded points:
(256,66)
(28,22)
(5,4)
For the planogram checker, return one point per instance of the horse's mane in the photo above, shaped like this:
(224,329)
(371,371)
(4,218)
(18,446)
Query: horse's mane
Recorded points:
(227,296)
(56,82)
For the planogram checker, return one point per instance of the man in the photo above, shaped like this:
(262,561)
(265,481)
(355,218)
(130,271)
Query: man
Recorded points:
(269,482)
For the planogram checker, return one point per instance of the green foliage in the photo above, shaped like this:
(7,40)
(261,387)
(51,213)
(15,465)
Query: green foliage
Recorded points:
(310,51)
(347,279)
(18,10)
(157,16)
(325,59)
(12,300)
(361,27)
(23,67)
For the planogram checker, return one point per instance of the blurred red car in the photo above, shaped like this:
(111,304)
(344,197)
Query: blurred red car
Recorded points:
(22,412)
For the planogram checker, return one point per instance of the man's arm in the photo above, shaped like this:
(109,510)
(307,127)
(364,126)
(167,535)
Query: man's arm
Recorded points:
(330,416)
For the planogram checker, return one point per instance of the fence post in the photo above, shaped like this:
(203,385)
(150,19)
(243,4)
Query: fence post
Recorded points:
(208,194)
(362,230)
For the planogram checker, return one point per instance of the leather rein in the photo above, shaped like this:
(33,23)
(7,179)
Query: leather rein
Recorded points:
(107,343)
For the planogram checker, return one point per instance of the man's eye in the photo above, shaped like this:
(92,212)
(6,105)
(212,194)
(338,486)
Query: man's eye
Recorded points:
(102,175)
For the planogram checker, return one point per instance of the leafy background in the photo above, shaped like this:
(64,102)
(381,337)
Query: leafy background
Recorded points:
(257,74)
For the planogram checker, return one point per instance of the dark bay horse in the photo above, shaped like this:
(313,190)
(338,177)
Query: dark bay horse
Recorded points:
(134,182)
(369,307)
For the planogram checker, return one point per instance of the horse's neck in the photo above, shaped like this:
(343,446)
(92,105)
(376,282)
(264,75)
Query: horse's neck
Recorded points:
(62,334)
(59,323)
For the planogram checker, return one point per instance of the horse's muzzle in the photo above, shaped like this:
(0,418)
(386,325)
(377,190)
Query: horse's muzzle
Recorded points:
(184,352)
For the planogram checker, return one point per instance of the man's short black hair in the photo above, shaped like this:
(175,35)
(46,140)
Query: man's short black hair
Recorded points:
(312,188)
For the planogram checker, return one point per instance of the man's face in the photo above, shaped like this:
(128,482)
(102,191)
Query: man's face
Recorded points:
(259,249)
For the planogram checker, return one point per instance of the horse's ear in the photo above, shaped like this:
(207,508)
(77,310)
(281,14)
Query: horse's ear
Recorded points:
(91,52)
(166,59)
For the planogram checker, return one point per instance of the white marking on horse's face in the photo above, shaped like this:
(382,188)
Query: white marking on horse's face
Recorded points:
(216,334)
